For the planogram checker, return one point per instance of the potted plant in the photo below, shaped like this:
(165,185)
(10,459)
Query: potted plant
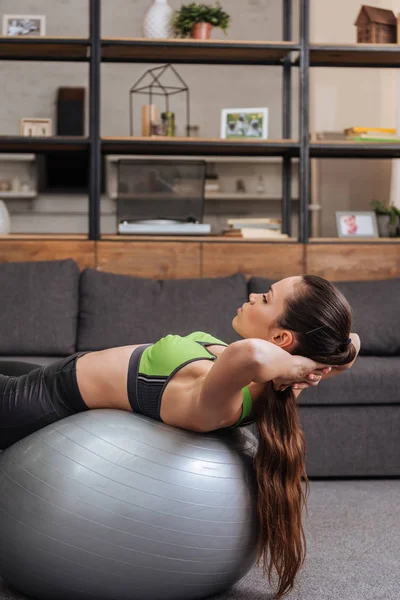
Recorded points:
(387,218)
(197,20)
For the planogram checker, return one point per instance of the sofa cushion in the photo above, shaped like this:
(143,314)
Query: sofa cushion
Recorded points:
(118,310)
(376,312)
(371,380)
(39,308)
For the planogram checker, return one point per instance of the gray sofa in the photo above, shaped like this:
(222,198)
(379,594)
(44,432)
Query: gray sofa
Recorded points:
(351,422)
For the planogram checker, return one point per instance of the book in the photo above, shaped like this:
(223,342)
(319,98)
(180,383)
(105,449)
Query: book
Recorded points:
(358,130)
(371,138)
(330,136)
(266,222)
(254,233)
(376,135)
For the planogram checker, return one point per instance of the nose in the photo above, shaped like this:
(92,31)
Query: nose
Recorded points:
(252,298)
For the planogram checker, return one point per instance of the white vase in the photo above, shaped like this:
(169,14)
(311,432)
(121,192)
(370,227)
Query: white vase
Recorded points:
(5,223)
(157,21)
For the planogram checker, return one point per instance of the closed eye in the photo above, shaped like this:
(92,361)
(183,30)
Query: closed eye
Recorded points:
(265,298)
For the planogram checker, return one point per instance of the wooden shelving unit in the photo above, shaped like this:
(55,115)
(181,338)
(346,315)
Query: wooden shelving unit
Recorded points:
(287,54)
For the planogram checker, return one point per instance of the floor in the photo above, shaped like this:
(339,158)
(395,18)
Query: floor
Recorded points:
(353,547)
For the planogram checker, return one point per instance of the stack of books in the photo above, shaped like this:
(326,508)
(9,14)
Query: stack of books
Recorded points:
(371,134)
(264,228)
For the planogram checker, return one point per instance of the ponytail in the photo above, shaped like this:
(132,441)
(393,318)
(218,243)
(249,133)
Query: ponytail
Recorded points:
(280,467)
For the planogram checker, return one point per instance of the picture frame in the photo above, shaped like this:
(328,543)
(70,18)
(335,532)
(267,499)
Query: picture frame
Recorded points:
(353,224)
(244,123)
(24,25)
(36,127)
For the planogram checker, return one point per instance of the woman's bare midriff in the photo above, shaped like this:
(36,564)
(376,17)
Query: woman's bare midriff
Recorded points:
(102,379)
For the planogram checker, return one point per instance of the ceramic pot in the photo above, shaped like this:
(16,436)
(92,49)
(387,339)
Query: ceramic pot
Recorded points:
(385,227)
(201,31)
(157,21)
(5,223)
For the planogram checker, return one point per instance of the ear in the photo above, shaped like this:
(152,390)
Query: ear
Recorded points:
(284,338)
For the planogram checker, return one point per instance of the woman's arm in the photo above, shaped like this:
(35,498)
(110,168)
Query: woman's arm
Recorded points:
(218,395)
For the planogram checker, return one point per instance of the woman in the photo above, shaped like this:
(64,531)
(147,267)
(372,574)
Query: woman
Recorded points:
(293,335)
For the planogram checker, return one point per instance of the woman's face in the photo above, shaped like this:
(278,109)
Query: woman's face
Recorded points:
(257,318)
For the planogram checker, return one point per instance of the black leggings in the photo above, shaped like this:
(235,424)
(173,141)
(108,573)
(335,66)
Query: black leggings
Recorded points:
(32,396)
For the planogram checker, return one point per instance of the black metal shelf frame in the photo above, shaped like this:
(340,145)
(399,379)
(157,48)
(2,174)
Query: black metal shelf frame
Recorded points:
(307,56)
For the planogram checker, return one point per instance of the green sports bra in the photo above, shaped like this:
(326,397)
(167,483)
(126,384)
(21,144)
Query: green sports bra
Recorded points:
(161,360)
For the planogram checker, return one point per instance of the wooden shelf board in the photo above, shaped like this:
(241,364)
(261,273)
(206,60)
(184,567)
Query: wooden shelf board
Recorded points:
(357,55)
(361,240)
(17,157)
(208,197)
(18,195)
(44,48)
(196,146)
(195,51)
(12,237)
(351,149)
(112,158)
(246,197)
(43,144)
(184,238)
(192,238)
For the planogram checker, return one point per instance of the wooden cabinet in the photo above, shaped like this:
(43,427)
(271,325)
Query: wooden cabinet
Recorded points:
(157,260)
(185,259)
(20,249)
(274,260)
(353,262)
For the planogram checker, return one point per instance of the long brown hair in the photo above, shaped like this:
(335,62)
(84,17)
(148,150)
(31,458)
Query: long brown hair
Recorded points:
(321,319)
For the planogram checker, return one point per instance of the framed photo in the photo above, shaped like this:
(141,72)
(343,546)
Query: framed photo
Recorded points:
(36,127)
(24,25)
(242,123)
(356,224)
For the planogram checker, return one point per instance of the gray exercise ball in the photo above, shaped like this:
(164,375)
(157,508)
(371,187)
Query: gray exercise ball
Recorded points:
(110,505)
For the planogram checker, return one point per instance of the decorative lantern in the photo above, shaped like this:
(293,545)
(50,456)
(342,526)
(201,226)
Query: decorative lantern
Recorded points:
(152,83)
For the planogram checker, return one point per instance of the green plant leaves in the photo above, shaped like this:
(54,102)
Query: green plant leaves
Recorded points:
(192,13)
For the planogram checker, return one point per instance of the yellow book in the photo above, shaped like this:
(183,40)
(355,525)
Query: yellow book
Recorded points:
(358,130)
(266,234)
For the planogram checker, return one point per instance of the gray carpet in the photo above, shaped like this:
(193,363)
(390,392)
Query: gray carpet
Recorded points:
(353,546)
